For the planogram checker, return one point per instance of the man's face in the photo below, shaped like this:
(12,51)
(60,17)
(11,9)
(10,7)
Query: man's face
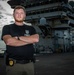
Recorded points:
(19,15)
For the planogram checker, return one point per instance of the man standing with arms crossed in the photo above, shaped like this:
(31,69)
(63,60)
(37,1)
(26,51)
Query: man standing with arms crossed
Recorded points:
(19,39)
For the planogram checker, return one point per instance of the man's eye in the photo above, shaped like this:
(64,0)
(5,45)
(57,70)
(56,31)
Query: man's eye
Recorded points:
(19,13)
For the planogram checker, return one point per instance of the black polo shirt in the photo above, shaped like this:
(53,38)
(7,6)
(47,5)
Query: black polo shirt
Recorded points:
(19,52)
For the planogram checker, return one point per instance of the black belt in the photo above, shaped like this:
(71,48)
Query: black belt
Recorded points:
(23,61)
(20,61)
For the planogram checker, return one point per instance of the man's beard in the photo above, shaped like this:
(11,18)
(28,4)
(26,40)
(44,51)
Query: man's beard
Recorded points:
(19,20)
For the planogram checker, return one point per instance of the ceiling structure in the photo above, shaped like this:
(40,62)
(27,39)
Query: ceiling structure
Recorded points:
(13,3)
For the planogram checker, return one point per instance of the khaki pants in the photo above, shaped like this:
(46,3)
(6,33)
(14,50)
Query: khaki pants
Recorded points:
(20,69)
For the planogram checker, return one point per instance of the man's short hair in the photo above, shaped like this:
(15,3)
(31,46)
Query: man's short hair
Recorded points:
(19,7)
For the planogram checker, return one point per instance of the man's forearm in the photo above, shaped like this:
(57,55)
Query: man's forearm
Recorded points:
(15,42)
(30,39)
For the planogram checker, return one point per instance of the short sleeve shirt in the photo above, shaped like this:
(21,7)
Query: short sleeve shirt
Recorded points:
(21,52)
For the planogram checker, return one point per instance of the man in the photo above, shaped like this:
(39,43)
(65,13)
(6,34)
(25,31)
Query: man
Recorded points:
(19,39)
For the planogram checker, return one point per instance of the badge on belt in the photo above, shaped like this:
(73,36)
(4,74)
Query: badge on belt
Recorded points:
(11,62)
